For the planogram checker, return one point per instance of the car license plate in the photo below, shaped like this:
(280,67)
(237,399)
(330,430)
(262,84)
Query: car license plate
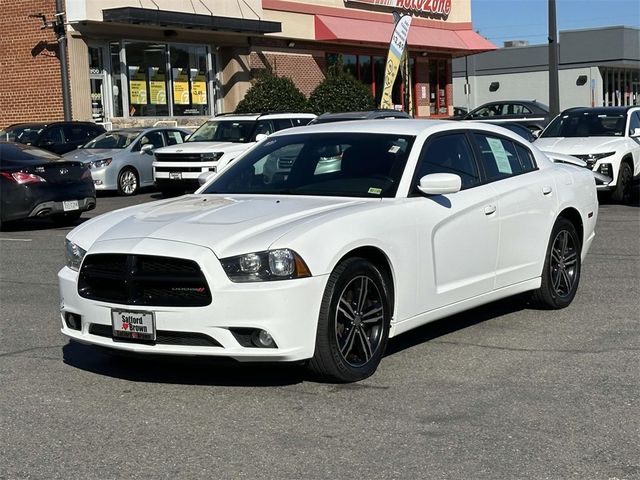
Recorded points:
(175,175)
(70,205)
(133,325)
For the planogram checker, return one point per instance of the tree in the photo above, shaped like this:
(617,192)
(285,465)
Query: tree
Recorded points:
(340,92)
(270,93)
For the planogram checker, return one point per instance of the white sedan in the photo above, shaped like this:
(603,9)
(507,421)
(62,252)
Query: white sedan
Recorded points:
(415,221)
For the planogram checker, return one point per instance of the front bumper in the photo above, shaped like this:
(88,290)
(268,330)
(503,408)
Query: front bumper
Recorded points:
(287,310)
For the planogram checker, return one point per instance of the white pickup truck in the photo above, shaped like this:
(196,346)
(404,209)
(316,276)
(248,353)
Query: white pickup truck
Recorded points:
(214,144)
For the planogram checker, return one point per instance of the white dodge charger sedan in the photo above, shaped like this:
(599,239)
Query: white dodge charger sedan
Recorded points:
(366,230)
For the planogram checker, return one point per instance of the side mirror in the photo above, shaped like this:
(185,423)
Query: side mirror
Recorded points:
(260,137)
(440,183)
(148,149)
(635,133)
(204,177)
(536,133)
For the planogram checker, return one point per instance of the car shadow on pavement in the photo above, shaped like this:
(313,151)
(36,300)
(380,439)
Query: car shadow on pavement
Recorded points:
(456,322)
(181,370)
(35,224)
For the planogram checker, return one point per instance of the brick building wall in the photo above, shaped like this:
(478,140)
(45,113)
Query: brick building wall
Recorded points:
(305,69)
(30,85)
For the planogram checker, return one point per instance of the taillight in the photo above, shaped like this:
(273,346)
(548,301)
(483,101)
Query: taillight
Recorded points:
(22,177)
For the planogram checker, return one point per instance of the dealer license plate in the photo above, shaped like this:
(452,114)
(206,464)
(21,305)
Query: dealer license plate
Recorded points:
(70,205)
(175,175)
(133,325)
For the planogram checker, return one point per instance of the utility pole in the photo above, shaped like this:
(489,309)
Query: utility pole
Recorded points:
(61,34)
(554,89)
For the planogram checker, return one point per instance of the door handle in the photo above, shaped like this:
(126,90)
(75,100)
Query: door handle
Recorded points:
(489,209)
(546,190)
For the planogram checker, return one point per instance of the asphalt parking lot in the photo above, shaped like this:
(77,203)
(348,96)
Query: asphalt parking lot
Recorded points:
(500,392)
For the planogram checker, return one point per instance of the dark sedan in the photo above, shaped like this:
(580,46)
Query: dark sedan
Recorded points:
(530,113)
(37,183)
(56,137)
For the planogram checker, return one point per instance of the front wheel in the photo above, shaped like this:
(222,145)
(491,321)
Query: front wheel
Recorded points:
(128,182)
(562,266)
(622,192)
(353,326)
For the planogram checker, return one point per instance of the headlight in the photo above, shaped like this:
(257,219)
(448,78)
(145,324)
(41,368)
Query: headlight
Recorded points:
(598,156)
(100,163)
(211,157)
(281,264)
(74,255)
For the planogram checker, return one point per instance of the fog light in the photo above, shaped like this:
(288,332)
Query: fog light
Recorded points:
(605,169)
(263,339)
(73,321)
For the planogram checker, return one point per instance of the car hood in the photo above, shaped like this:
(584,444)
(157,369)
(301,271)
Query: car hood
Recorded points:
(578,145)
(201,147)
(228,225)
(90,154)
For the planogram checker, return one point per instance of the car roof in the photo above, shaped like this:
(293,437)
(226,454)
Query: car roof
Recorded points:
(46,124)
(598,110)
(524,102)
(362,115)
(398,126)
(255,116)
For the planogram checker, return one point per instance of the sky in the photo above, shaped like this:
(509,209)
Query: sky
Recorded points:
(500,20)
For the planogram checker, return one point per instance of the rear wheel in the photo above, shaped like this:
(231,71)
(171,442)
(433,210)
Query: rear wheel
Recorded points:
(64,219)
(128,183)
(562,266)
(622,193)
(353,326)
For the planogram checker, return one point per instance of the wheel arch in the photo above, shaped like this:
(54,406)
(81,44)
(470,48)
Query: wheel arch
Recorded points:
(575,218)
(380,259)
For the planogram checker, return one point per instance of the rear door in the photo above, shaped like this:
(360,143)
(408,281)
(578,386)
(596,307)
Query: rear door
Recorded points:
(526,206)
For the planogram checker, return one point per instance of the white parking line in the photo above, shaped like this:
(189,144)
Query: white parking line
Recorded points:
(15,239)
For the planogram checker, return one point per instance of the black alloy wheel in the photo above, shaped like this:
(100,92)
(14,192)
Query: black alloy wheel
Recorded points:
(353,326)
(562,267)
(623,190)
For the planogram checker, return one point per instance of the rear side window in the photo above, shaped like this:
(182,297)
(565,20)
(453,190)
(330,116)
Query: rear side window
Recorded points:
(526,158)
(78,133)
(300,122)
(449,154)
(500,157)
(282,123)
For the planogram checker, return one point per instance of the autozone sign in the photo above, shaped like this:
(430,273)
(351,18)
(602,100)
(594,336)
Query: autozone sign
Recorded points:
(433,7)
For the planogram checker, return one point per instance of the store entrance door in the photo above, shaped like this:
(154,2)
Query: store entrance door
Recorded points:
(97,82)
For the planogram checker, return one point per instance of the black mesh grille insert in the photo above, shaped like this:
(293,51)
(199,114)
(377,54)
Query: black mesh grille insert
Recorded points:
(178,157)
(143,280)
(163,337)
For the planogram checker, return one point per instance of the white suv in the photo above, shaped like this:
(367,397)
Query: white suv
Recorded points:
(215,144)
(607,138)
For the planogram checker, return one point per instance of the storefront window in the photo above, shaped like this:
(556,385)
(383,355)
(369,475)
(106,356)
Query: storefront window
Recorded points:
(96,83)
(438,87)
(189,77)
(116,80)
(147,68)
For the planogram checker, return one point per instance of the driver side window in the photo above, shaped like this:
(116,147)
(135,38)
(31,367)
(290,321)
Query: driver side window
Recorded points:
(449,154)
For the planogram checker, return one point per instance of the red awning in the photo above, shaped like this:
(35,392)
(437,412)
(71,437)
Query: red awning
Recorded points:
(368,31)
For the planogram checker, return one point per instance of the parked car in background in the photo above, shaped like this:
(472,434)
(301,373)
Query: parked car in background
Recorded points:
(212,146)
(530,113)
(422,219)
(56,137)
(363,115)
(37,183)
(459,112)
(122,160)
(606,138)
(521,130)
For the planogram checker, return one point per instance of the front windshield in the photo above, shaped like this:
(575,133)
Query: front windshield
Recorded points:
(113,140)
(224,131)
(23,134)
(325,164)
(586,124)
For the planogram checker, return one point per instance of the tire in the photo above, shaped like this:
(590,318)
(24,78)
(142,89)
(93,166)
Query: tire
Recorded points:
(623,191)
(562,267)
(128,182)
(353,331)
(65,219)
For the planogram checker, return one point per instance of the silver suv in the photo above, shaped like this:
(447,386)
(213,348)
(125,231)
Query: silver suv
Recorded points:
(213,145)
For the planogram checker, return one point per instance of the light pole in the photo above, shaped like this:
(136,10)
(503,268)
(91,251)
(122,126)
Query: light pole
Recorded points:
(554,94)
(60,31)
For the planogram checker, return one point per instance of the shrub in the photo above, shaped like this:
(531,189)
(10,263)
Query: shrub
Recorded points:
(270,93)
(340,92)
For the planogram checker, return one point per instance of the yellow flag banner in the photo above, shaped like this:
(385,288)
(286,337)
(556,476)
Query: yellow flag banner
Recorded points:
(396,49)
